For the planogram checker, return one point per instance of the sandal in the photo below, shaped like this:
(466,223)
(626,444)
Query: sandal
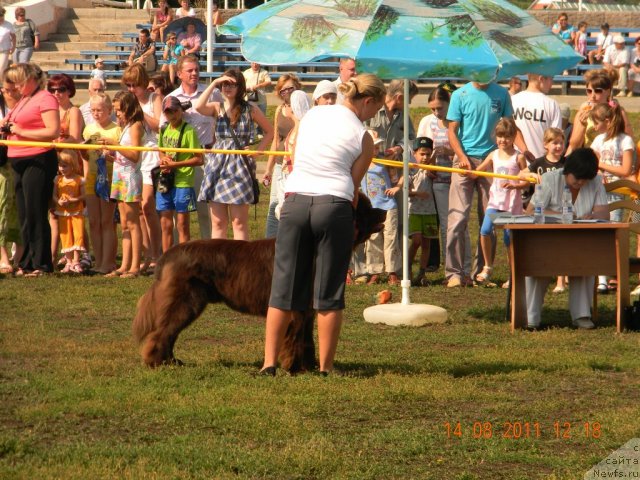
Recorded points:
(484,275)
(77,268)
(66,269)
(34,273)
(113,274)
(130,275)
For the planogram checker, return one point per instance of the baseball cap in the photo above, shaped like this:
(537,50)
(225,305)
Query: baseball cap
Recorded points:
(618,39)
(171,103)
(324,87)
(423,142)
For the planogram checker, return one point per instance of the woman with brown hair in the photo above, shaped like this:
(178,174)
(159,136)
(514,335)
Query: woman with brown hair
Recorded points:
(63,88)
(315,236)
(599,90)
(135,79)
(228,178)
(283,123)
(34,118)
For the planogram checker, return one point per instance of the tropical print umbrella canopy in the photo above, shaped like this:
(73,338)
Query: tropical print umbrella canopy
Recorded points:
(473,39)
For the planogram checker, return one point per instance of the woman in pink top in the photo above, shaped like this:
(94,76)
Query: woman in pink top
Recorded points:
(161,20)
(34,118)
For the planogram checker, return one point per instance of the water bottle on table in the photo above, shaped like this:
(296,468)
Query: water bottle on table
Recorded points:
(538,205)
(567,206)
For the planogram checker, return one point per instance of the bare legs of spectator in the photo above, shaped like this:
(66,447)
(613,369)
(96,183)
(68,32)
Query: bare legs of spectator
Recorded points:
(204,220)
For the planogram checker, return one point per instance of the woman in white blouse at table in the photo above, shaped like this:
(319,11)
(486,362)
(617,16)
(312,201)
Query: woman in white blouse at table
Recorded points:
(580,174)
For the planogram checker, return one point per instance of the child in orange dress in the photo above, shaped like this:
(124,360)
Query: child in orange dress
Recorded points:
(68,196)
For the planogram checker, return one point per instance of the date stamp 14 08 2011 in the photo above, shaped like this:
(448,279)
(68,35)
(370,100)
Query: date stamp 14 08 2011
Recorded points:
(525,429)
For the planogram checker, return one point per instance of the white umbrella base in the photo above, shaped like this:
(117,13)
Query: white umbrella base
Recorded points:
(413,315)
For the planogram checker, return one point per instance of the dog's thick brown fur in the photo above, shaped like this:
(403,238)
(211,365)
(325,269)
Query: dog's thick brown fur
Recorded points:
(237,273)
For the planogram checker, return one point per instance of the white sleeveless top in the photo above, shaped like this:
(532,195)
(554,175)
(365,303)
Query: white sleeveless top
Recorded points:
(329,141)
(150,160)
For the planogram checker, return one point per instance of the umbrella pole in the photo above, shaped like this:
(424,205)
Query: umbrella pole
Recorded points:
(406,268)
(210,40)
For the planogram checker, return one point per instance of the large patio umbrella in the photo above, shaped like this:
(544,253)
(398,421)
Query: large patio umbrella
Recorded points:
(478,40)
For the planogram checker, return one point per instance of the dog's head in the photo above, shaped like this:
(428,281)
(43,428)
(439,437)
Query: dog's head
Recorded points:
(369,220)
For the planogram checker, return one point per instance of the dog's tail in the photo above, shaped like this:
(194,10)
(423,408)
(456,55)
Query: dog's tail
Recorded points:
(144,321)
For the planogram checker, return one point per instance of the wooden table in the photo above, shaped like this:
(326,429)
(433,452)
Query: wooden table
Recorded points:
(578,249)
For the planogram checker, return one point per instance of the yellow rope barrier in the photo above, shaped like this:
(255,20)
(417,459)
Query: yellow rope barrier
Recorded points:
(380,161)
(395,163)
(93,146)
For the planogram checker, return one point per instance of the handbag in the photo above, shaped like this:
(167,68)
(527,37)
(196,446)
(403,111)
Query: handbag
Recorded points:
(255,183)
(253,96)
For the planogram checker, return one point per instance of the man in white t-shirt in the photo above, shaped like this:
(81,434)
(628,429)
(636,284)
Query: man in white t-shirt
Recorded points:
(188,71)
(603,40)
(7,41)
(617,57)
(347,72)
(534,112)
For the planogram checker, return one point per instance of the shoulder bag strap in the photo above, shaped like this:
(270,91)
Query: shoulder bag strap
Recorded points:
(235,138)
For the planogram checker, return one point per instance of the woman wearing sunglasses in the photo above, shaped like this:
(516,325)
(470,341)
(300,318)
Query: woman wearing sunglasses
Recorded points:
(34,118)
(227,186)
(282,125)
(63,88)
(599,90)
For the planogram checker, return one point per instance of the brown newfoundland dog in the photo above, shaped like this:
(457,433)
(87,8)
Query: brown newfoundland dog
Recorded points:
(238,273)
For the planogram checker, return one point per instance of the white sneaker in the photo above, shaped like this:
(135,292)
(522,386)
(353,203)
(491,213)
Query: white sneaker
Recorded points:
(584,323)
(636,291)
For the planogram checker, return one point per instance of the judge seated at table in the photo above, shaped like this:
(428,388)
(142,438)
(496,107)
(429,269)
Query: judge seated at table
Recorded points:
(580,174)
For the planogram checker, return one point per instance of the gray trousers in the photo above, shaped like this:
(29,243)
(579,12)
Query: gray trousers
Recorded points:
(460,201)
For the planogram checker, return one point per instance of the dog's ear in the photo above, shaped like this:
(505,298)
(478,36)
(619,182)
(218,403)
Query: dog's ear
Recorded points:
(369,220)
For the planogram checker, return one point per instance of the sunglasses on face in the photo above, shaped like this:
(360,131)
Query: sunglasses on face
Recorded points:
(57,89)
(286,90)
(228,85)
(594,90)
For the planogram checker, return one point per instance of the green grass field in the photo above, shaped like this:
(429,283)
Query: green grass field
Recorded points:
(463,400)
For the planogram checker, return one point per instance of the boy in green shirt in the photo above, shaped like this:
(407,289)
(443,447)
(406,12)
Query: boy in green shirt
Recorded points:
(180,199)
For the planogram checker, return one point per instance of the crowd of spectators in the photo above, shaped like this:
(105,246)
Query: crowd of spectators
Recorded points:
(67,203)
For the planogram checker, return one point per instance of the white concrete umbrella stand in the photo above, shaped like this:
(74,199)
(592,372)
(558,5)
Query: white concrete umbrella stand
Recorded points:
(405,312)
